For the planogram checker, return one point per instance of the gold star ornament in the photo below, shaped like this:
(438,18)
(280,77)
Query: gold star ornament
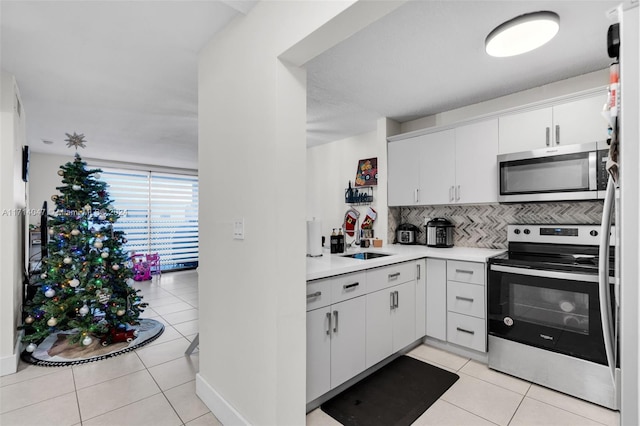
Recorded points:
(75,140)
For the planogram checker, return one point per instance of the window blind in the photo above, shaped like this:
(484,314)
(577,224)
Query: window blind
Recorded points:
(160,214)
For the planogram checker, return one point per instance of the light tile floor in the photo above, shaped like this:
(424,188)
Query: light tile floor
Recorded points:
(485,397)
(155,385)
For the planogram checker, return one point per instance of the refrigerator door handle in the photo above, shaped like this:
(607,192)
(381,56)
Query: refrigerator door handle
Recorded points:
(603,271)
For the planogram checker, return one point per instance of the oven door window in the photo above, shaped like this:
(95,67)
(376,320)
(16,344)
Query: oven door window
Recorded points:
(556,314)
(549,307)
(562,173)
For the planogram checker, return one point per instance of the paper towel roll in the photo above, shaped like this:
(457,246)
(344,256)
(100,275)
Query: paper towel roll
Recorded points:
(314,238)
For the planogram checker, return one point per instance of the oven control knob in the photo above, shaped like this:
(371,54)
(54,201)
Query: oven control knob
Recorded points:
(508,321)
(593,233)
(526,231)
(516,231)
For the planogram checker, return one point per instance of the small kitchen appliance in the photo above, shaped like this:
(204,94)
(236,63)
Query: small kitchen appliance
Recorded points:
(439,233)
(407,233)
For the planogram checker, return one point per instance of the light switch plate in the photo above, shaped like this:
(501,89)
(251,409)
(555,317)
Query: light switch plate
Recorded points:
(238,229)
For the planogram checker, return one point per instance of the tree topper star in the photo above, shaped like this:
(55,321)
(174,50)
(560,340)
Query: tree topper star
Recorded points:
(75,140)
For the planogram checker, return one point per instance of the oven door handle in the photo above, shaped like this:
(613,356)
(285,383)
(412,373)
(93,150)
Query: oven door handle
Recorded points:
(548,274)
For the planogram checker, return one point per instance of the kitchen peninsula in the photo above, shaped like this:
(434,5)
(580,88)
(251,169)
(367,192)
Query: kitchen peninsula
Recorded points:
(366,306)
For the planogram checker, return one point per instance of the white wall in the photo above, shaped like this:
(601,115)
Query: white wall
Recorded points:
(43,180)
(329,169)
(12,222)
(252,165)
(560,88)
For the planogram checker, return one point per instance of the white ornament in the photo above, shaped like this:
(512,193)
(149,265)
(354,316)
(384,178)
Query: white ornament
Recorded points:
(74,282)
(104,254)
(50,293)
(76,187)
(75,232)
(31,347)
(130,282)
(43,276)
(60,172)
(67,260)
(29,319)
(97,244)
(51,231)
(87,341)
(120,312)
(97,175)
(52,322)
(84,310)
(102,217)
(115,267)
(87,208)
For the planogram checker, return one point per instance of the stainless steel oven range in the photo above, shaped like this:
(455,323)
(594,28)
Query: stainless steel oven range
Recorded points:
(544,315)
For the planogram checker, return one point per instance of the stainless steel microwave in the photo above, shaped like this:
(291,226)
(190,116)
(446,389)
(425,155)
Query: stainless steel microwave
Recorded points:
(571,172)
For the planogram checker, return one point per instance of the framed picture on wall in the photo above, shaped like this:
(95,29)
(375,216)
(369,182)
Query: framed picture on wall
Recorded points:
(367,173)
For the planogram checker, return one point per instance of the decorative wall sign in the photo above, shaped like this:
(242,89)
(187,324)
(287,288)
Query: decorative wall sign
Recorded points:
(367,173)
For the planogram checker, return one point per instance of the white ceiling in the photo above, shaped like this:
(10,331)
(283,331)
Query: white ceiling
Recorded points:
(124,73)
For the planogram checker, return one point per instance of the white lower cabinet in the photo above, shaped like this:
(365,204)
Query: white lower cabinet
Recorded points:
(335,345)
(390,321)
(456,305)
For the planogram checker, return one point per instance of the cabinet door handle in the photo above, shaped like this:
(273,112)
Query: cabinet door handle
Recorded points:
(557,134)
(415,195)
(465,331)
(397,297)
(418,265)
(312,295)
(451,193)
(466,299)
(335,322)
(328,323)
(391,301)
(458,193)
(394,276)
(464,271)
(548,135)
(348,286)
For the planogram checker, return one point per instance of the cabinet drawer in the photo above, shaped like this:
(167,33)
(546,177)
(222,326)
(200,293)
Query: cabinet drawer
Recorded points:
(318,294)
(467,299)
(466,272)
(345,287)
(380,278)
(467,331)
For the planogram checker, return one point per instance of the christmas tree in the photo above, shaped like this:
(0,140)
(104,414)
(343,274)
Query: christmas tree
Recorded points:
(85,284)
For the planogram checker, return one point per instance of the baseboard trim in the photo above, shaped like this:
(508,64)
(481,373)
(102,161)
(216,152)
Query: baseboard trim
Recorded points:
(226,414)
(9,363)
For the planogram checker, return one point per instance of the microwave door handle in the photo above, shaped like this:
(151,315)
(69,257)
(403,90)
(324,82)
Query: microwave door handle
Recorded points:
(603,274)
(593,171)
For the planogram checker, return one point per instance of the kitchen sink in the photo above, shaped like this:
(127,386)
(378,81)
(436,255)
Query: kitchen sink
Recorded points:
(365,255)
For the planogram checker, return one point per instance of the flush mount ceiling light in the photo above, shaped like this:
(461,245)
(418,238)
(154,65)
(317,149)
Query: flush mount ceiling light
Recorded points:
(522,34)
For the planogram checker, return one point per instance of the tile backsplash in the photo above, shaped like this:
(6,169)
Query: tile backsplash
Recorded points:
(484,225)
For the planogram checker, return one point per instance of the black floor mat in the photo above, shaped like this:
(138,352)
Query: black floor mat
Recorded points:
(397,394)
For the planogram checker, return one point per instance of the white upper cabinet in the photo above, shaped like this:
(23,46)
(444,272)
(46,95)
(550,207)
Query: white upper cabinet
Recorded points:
(580,121)
(525,131)
(446,167)
(476,163)
(437,167)
(569,123)
(403,180)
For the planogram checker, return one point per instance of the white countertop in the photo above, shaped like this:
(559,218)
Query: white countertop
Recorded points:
(329,265)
